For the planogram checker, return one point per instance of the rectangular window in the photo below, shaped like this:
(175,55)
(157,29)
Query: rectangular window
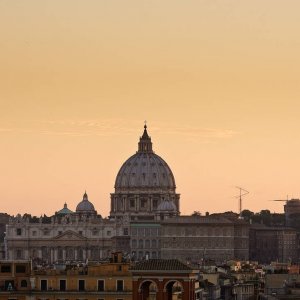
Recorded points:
(120,285)
(34,233)
(20,269)
(125,231)
(19,231)
(44,285)
(5,269)
(62,285)
(143,203)
(101,285)
(132,203)
(108,233)
(81,285)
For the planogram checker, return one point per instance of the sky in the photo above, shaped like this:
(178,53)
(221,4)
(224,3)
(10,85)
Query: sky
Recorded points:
(218,82)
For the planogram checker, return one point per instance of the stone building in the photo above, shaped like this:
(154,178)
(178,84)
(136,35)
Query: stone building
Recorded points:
(109,280)
(190,239)
(144,222)
(269,244)
(163,279)
(3,221)
(292,212)
(66,236)
(115,279)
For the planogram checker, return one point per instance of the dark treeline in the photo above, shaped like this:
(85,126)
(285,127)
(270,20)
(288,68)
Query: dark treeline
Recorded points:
(267,218)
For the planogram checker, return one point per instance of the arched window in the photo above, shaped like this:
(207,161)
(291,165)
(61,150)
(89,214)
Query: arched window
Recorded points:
(141,244)
(59,253)
(70,253)
(80,254)
(154,244)
(44,252)
(134,243)
(23,283)
(95,253)
(46,231)
(19,254)
(147,244)
(34,253)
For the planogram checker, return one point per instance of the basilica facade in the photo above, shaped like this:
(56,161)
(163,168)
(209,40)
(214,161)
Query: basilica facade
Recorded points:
(144,222)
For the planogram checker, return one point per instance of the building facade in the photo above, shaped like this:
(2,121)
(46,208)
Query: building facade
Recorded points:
(110,280)
(144,222)
(269,244)
(66,236)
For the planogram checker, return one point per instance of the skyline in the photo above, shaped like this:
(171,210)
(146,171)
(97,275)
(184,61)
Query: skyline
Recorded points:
(217,81)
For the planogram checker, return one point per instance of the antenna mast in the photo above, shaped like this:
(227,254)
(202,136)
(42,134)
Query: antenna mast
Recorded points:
(243,193)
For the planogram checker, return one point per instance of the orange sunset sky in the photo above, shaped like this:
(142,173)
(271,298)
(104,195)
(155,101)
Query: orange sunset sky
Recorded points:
(217,80)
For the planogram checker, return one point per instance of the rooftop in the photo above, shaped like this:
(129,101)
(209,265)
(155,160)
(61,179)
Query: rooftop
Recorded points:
(161,265)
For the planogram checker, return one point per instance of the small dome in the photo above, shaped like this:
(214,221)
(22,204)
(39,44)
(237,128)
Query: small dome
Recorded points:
(167,205)
(64,211)
(85,206)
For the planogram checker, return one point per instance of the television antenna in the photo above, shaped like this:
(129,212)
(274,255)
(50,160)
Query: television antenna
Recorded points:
(243,193)
(282,200)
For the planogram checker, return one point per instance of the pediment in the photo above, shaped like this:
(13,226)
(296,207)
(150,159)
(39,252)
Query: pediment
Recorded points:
(70,235)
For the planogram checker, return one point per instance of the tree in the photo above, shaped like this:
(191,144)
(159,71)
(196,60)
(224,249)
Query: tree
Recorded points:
(247,214)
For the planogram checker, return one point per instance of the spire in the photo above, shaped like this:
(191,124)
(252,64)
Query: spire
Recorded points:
(145,144)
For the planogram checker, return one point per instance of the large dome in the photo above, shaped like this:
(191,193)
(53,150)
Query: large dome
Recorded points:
(145,170)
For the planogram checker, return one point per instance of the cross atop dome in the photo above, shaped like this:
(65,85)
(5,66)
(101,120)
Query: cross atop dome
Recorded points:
(145,144)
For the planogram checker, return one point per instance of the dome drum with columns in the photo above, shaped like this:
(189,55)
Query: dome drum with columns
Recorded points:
(143,183)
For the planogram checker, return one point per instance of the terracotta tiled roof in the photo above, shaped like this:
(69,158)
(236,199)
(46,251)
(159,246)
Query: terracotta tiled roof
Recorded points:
(161,265)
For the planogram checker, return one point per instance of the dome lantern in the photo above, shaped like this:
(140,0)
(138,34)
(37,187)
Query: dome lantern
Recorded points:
(145,144)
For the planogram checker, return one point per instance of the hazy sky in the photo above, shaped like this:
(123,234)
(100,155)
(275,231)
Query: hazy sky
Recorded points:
(218,82)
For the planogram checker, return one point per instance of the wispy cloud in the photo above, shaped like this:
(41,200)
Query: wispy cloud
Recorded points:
(117,127)
(201,132)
